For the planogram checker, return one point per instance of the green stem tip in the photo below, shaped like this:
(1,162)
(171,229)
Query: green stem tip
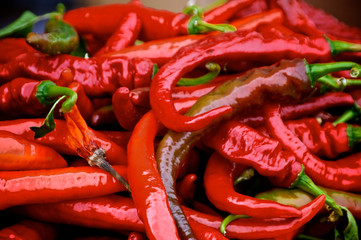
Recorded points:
(337,47)
(352,113)
(306,184)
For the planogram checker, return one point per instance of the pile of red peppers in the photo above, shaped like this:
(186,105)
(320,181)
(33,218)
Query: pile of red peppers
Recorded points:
(240,120)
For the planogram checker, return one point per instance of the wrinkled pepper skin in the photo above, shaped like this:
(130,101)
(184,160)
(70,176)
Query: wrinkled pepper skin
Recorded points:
(110,212)
(218,183)
(259,228)
(18,153)
(57,138)
(147,188)
(54,185)
(343,174)
(100,76)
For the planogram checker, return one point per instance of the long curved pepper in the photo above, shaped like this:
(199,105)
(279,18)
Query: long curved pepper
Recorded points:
(242,93)
(231,46)
(146,183)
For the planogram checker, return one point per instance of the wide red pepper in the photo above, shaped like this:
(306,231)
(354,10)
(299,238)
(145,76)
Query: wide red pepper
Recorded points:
(12,48)
(18,153)
(145,182)
(218,183)
(57,138)
(54,185)
(342,174)
(100,76)
(111,212)
(155,24)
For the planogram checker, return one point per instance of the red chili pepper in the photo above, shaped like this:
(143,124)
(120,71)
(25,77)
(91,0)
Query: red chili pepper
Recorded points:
(309,107)
(11,48)
(124,36)
(206,233)
(119,137)
(327,140)
(161,51)
(96,75)
(145,181)
(83,101)
(296,18)
(329,24)
(54,185)
(155,24)
(218,183)
(186,187)
(18,153)
(229,46)
(125,111)
(110,212)
(57,138)
(259,228)
(29,229)
(103,116)
(343,174)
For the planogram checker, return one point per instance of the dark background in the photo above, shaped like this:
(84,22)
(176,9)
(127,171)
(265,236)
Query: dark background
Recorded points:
(345,10)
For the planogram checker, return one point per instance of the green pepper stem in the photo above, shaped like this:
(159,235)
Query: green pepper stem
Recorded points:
(353,135)
(338,47)
(317,70)
(246,175)
(214,69)
(352,113)
(306,184)
(56,91)
(338,84)
(229,219)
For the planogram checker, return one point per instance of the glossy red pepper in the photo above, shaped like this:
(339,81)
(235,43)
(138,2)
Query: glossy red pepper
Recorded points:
(309,107)
(257,6)
(233,47)
(326,140)
(86,107)
(146,183)
(103,116)
(11,48)
(186,187)
(57,138)
(155,24)
(161,51)
(343,174)
(97,75)
(119,137)
(18,153)
(54,185)
(110,212)
(259,228)
(125,111)
(29,229)
(124,36)
(206,233)
(218,183)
